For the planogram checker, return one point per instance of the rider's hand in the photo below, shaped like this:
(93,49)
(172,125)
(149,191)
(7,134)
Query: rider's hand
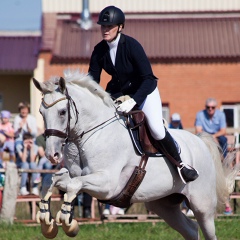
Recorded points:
(127,105)
(122,99)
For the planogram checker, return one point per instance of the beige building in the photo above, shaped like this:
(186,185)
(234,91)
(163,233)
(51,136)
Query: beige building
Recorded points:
(17,85)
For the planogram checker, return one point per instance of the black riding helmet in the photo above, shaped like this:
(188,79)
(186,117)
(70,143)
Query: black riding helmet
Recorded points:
(111,15)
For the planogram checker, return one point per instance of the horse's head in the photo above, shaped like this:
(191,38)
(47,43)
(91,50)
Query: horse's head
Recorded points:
(56,111)
(60,110)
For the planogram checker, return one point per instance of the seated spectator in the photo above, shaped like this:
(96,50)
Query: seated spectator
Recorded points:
(84,202)
(26,155)
(176,121)
(213,121)
(87,202)
(109,209)
(6,136)
(43,162)
(24,122)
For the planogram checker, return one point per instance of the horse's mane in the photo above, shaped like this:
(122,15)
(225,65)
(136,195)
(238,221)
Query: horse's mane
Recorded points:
(82,79)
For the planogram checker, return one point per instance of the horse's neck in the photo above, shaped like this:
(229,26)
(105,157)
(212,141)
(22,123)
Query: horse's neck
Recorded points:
(100,126)
(92,110)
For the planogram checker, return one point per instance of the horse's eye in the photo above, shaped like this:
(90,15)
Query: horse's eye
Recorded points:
(62,113)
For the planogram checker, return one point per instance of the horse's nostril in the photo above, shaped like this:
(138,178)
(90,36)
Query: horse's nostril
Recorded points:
(56,155)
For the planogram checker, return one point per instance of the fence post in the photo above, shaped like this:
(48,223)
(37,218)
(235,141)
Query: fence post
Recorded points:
(10,193)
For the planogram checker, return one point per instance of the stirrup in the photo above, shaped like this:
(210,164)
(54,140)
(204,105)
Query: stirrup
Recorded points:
(182,165)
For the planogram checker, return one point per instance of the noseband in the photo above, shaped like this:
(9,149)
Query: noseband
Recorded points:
(57,133)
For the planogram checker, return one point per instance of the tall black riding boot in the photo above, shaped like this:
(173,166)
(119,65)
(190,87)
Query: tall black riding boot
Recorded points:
(168,147)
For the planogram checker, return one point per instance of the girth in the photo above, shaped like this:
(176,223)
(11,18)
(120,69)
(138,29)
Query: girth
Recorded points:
(123,199)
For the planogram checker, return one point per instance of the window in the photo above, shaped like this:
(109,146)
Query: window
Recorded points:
(232,113)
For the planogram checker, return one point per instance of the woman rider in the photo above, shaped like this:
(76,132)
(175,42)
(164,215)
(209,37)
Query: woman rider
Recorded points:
(133,82)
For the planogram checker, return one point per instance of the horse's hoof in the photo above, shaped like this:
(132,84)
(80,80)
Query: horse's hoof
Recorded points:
(71,230)
(49,231)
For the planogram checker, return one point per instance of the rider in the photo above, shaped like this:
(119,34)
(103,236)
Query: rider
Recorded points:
(133,82)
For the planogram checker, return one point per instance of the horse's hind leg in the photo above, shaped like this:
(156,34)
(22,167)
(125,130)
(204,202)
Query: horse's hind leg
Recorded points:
(205,217)
(173,216)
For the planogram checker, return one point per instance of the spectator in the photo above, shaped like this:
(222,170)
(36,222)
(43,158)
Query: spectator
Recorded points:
(6,136)
(87,202)
(24,122)
(84,202)
(26,155)
(213,121)
(43,162)
(176,121)
(109,209)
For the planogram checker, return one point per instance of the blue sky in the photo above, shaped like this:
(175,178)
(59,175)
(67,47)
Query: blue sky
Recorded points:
(22,15)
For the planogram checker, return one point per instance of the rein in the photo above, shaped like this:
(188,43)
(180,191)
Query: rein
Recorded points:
(83,133)
(66,135)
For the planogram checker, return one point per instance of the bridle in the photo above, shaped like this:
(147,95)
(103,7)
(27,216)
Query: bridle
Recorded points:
(66,135)
(57,133)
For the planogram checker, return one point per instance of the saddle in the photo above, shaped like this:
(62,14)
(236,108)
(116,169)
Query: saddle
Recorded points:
(140,134)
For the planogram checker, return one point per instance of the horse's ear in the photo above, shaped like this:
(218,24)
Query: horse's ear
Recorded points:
(37,85)
(62,85)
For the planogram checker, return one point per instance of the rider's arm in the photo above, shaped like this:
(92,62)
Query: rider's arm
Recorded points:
(142,64)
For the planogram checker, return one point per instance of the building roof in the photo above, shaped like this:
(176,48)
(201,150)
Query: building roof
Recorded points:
(73,6)
(164,39)
(19,53)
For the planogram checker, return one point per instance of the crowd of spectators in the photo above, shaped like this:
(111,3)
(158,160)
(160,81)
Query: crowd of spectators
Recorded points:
(21,140)
(26,146)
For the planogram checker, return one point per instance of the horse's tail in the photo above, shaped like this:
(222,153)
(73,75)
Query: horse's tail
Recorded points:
(225,172)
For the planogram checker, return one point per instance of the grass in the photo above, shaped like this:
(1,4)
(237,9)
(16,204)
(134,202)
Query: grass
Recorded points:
(227,229)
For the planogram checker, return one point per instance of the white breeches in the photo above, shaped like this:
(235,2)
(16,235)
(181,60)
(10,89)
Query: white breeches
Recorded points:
(152,108)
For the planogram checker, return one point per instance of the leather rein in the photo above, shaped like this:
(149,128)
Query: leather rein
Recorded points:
(66,135)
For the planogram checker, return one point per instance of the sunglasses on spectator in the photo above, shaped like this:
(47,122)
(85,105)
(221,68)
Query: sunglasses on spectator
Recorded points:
(210,107)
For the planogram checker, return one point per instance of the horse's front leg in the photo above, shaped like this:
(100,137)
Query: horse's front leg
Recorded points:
(65,216)
(48,225)
(61,180)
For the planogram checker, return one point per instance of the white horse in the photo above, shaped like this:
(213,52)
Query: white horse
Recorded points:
(99,159)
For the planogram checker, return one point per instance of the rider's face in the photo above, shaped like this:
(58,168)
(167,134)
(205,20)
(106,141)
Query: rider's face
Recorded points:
(109,32)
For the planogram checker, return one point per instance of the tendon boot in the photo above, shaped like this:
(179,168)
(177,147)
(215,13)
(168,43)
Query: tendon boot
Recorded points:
(168,147)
